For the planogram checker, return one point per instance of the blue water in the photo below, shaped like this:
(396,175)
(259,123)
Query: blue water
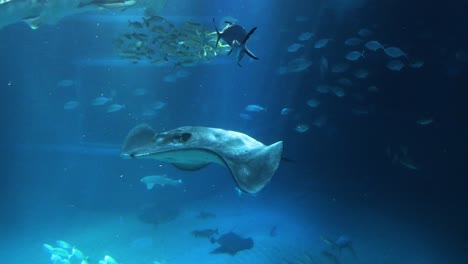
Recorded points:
(367,167)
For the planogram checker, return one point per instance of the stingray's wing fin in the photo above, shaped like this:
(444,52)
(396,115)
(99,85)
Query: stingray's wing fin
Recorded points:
(34,22)
(139,136)
(253,170)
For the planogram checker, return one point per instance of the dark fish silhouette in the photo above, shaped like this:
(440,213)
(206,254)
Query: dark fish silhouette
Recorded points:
(332,258)
(208,233)
(342,243)
(206,215)
(236,37)
(273,231)
(231,243)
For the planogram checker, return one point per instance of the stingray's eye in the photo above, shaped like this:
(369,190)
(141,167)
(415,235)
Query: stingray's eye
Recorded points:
(158,138)
(186,136)
(182,137)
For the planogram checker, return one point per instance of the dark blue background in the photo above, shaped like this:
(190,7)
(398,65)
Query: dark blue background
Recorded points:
(345,160)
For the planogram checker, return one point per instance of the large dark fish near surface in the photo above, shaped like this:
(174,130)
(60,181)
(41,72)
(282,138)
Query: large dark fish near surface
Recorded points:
(236,37)
(37,13)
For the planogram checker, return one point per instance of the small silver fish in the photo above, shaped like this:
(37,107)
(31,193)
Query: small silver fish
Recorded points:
(63,244)
(323,66)
(395,65)
(344,81)
(305,36)
(301,128)
(354,55)
(148,113)
(295,47)
(364,32)
(70,105)
(424,121)
(340,67)
(286,111)
(338,91)
(361,73)
(65,83)
(323,88)
(353,41)
(77,253)
(245,116)
(373,45)
(394,52)
(101,100)
(158,105)
(162,180)
(60,252)
(416,64)
(170,78)
(139,92)
(298,65)
(115,107)
(313,103)
(48,247)
(321,43)
(109,260)
(254,108)
(373,89)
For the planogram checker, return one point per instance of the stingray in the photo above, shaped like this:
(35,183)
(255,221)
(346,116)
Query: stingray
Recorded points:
(231,243)
(251,163)
(37,13)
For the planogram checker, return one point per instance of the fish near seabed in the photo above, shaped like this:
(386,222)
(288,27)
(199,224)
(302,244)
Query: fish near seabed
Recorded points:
(236,37)
(206,215)
(251,163)
(162,180)
(231,243)
(205,233)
